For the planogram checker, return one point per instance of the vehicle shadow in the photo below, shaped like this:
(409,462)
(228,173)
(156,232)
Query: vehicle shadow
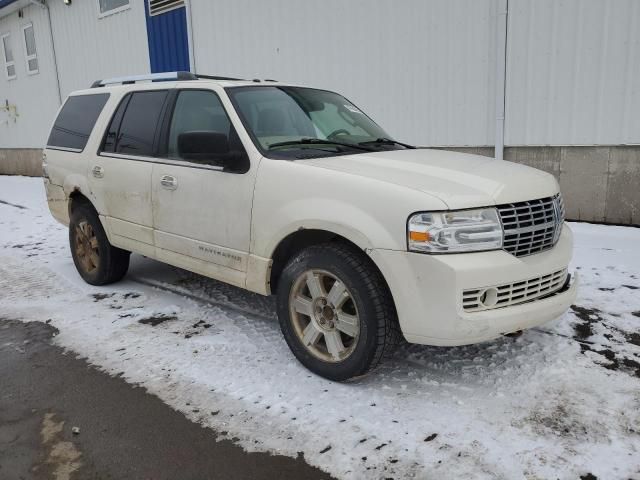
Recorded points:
(484,363)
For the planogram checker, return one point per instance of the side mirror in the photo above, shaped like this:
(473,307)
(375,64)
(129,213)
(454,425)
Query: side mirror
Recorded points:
(202,146)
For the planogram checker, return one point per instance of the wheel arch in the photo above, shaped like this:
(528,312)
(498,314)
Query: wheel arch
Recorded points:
(76,198)
(303,238)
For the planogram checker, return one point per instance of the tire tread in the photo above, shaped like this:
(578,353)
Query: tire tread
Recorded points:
(116,260)
(376,291)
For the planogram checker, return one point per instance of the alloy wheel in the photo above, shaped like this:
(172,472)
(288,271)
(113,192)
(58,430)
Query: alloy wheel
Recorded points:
(324,315)
(86,244)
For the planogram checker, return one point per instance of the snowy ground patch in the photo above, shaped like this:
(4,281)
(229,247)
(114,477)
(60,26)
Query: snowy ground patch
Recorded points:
(561,401)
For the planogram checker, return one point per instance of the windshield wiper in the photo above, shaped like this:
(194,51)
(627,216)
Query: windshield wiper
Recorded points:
(319,141)
(386,141)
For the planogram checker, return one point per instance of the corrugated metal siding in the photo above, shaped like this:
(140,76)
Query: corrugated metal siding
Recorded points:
(168,44)
(4,3)
(91,47)
(34,97)
(88,47)
(424,69)
(573,72)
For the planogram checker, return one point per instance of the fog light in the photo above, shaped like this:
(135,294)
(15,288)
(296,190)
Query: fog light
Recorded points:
(489,297)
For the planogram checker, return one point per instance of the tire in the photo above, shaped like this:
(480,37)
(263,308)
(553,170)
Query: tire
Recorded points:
(320,293)
(97,261)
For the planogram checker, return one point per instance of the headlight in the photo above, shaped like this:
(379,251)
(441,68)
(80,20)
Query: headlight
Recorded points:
(461,231)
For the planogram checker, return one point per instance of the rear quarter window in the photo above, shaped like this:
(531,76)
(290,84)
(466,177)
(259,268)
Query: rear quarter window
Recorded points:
(75,121)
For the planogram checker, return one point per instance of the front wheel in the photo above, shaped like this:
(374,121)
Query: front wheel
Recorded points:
(336,311)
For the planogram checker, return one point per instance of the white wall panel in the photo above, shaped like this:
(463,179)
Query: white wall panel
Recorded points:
(90,47)
(573,72)
(424,69)
(33,98)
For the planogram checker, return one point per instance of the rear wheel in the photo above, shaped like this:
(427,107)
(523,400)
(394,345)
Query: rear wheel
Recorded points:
(336,311)
(97,261)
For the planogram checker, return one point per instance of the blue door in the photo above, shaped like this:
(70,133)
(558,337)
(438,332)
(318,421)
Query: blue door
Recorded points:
(167,36)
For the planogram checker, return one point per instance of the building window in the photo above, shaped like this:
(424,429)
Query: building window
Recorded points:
(107,7)
(7,54)
(30,54)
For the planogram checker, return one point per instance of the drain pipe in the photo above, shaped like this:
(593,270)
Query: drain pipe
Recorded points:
(501,73)
(43,4)
(192,55)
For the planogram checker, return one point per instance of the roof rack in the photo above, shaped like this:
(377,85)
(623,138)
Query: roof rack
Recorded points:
(215,77)
(157,77)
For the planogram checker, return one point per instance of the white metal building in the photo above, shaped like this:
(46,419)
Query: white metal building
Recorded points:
(556,81)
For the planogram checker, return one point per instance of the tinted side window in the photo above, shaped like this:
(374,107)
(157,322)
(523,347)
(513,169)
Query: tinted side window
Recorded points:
(202,111)
(109,144)
(76,121)
(138,126)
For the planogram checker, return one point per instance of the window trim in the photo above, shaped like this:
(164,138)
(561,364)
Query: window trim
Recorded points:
(165,130)
(163,161)
(161,138)
(91,133)
(28,57)
(245,122)
(113,11)
(157,135)
(7,63)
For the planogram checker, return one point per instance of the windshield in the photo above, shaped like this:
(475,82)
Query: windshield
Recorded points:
(295,122)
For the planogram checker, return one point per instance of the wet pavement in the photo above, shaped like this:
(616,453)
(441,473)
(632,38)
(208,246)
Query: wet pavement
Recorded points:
(124,432)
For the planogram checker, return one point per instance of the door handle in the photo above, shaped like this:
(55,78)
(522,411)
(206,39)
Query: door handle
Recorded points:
(169,182)
(97,171)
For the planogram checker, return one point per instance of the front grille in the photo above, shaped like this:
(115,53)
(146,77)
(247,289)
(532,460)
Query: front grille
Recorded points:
(475,300)
(532,226)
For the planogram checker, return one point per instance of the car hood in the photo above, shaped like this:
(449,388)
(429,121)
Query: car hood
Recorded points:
(460,180)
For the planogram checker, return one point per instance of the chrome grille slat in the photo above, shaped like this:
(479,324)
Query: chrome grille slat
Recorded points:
(532,226)
(515,293)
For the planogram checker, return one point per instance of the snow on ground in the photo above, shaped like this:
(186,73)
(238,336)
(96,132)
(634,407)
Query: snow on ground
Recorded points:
(561,401)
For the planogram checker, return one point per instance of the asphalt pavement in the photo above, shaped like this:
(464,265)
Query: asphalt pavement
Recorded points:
(63,419)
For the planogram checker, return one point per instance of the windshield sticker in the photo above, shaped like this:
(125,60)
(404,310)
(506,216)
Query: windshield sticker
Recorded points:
(352,109)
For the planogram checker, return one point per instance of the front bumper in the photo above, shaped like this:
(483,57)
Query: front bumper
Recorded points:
(427,290)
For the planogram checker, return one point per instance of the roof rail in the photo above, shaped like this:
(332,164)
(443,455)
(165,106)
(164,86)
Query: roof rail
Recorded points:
(214,77)
(153,77)
(158,77)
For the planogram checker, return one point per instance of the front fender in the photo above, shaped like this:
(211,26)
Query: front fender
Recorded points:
(353,223)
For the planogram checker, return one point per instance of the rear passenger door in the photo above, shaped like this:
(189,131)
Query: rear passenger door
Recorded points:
(120,176)
(202,206)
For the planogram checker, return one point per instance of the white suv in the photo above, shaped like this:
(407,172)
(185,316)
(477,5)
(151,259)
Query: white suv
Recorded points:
(294,191)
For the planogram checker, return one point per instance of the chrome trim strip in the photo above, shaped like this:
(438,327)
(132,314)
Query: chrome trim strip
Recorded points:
(516,293)
(537,237)
(163,161)
(532,228)
(64,149)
